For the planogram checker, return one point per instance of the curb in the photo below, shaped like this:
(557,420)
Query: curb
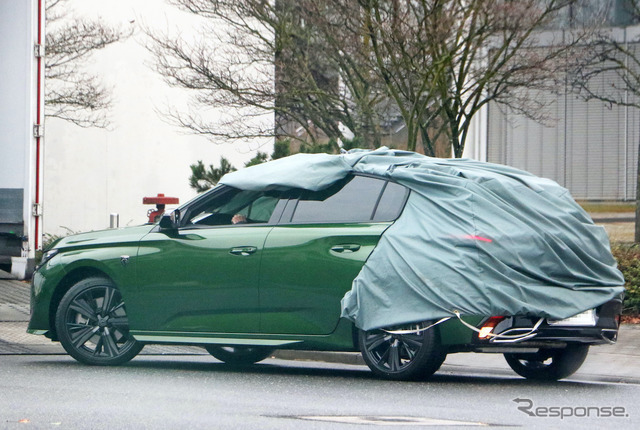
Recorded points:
(353,358)
(6,276)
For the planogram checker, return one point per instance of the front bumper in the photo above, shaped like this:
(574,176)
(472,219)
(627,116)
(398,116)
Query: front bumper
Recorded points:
(43,285)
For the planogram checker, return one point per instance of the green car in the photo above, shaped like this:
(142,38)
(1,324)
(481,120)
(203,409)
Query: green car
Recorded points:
(242,273)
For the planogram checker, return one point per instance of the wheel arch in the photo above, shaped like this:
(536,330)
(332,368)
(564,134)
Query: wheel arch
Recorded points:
(69,280)
(356,338)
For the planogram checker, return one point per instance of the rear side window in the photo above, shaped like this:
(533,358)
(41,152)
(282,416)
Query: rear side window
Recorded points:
(391,202)
(354,199)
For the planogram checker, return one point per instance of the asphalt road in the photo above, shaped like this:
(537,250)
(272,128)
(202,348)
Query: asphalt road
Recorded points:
(196,391)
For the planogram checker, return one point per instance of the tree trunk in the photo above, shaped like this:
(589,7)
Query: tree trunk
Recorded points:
(637,235)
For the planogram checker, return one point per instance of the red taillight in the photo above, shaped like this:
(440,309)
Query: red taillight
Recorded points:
(475,237)
(488,326)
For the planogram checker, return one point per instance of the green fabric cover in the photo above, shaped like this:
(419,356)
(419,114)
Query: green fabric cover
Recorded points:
(474,237)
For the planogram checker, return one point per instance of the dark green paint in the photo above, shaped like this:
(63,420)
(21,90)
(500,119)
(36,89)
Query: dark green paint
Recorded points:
(248,284)
(190,281)
(303,280)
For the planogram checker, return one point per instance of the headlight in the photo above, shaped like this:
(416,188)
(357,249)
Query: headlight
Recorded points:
(47,256)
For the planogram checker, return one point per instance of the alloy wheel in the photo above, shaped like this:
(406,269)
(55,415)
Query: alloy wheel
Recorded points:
(93,326)
(403,355)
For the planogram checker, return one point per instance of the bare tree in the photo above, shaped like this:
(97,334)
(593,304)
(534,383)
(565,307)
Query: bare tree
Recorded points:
(258,61)
(324,66)
(443,60)
(72,93)
(619,60)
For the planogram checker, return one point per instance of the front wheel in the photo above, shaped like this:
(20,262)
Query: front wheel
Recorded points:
(549,364)
(402,353)
(92,324)
(239,354)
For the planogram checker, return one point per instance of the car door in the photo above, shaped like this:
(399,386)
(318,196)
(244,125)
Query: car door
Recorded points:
(203,277)
(311,258)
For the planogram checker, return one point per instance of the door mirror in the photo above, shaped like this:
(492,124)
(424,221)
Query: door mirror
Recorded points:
(170,221)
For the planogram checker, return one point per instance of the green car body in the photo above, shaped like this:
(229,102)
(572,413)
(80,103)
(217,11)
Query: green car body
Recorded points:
(275,282)
(175,294)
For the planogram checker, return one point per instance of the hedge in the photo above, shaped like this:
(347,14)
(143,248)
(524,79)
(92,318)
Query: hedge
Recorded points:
(628,256)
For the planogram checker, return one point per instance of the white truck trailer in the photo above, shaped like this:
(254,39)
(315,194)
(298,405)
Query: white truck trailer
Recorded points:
(21,129)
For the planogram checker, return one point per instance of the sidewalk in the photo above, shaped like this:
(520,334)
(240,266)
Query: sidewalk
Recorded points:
(620,226)
(612,363)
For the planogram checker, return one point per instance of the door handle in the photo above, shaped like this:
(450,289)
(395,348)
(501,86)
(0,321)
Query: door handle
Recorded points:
(243,250)
(351,247)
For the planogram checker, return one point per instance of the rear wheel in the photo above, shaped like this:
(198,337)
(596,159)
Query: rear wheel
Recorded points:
(549,364)
(239,354)
(402,355)
(92,324)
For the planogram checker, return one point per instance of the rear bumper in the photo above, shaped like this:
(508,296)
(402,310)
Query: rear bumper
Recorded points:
(605,331)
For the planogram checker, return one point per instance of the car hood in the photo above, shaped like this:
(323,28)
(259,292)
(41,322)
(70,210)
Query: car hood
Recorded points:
(103,237)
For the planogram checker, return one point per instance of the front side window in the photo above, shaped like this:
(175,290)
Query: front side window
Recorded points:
(233,206)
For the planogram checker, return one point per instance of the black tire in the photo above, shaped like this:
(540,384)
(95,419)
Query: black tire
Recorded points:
(92,324)
(402,356)
(549,364)
(240,355)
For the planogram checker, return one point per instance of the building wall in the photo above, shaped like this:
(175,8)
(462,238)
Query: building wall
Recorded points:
(589,147)
(90,173)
